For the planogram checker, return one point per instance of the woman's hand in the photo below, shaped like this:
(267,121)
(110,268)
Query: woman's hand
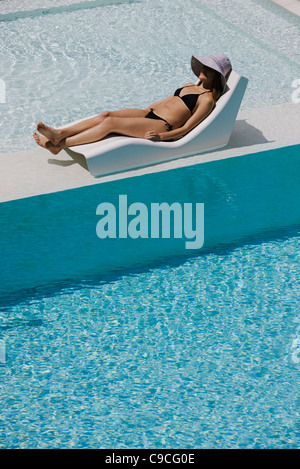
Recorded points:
(151,135)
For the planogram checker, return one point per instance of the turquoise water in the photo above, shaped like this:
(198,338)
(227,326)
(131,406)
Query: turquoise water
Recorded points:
(197,354)
(138,343)
(141,343)
(52,237)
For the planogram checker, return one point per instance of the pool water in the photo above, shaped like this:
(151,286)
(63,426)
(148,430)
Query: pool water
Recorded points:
(60,65)
(190,351)
(106,348)
(197,354)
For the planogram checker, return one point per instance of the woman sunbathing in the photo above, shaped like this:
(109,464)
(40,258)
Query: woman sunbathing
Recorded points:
(168,119)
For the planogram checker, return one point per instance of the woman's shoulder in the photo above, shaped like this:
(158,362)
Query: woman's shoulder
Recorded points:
(206,101)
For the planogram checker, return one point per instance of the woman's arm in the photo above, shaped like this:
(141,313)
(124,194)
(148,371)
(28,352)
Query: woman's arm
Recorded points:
(203,110)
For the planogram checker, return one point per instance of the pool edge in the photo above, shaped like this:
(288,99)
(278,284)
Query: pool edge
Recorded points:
(33,172)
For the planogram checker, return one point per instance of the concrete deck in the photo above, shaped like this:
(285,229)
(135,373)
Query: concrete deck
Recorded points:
(34,172)
(292,5)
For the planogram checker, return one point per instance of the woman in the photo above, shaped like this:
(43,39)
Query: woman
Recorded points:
(168,119)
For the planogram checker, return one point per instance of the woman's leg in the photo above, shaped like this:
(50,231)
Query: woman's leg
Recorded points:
(56,135)
(129,126)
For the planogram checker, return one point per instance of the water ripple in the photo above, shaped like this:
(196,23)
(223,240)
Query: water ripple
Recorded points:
(199,355)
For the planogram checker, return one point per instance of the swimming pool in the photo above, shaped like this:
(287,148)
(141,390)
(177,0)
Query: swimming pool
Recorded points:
(124,345)
(62,66)
(191,355)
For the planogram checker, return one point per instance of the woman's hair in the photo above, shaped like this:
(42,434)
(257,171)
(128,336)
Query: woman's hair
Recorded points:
(217,88)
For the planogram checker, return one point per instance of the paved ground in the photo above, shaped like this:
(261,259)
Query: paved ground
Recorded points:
(291,5)
(34,172)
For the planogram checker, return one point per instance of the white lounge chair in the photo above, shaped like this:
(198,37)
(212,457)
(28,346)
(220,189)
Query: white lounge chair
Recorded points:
(118,153)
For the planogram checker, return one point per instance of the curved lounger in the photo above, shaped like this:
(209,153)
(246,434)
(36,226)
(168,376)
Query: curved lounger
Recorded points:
(119,153)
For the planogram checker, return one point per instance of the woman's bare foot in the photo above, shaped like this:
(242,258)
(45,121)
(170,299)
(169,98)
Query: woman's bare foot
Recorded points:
(45,143)
(53,135)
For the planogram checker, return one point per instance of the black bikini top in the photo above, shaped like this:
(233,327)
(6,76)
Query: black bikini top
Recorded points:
(189,100)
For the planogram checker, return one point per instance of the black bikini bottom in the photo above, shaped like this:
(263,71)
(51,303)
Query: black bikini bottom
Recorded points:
(151,115)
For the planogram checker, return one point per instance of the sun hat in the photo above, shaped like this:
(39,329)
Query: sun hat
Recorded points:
(218,62)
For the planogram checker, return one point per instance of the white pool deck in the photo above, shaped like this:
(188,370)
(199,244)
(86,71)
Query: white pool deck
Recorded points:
(292,5)
(37,171)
